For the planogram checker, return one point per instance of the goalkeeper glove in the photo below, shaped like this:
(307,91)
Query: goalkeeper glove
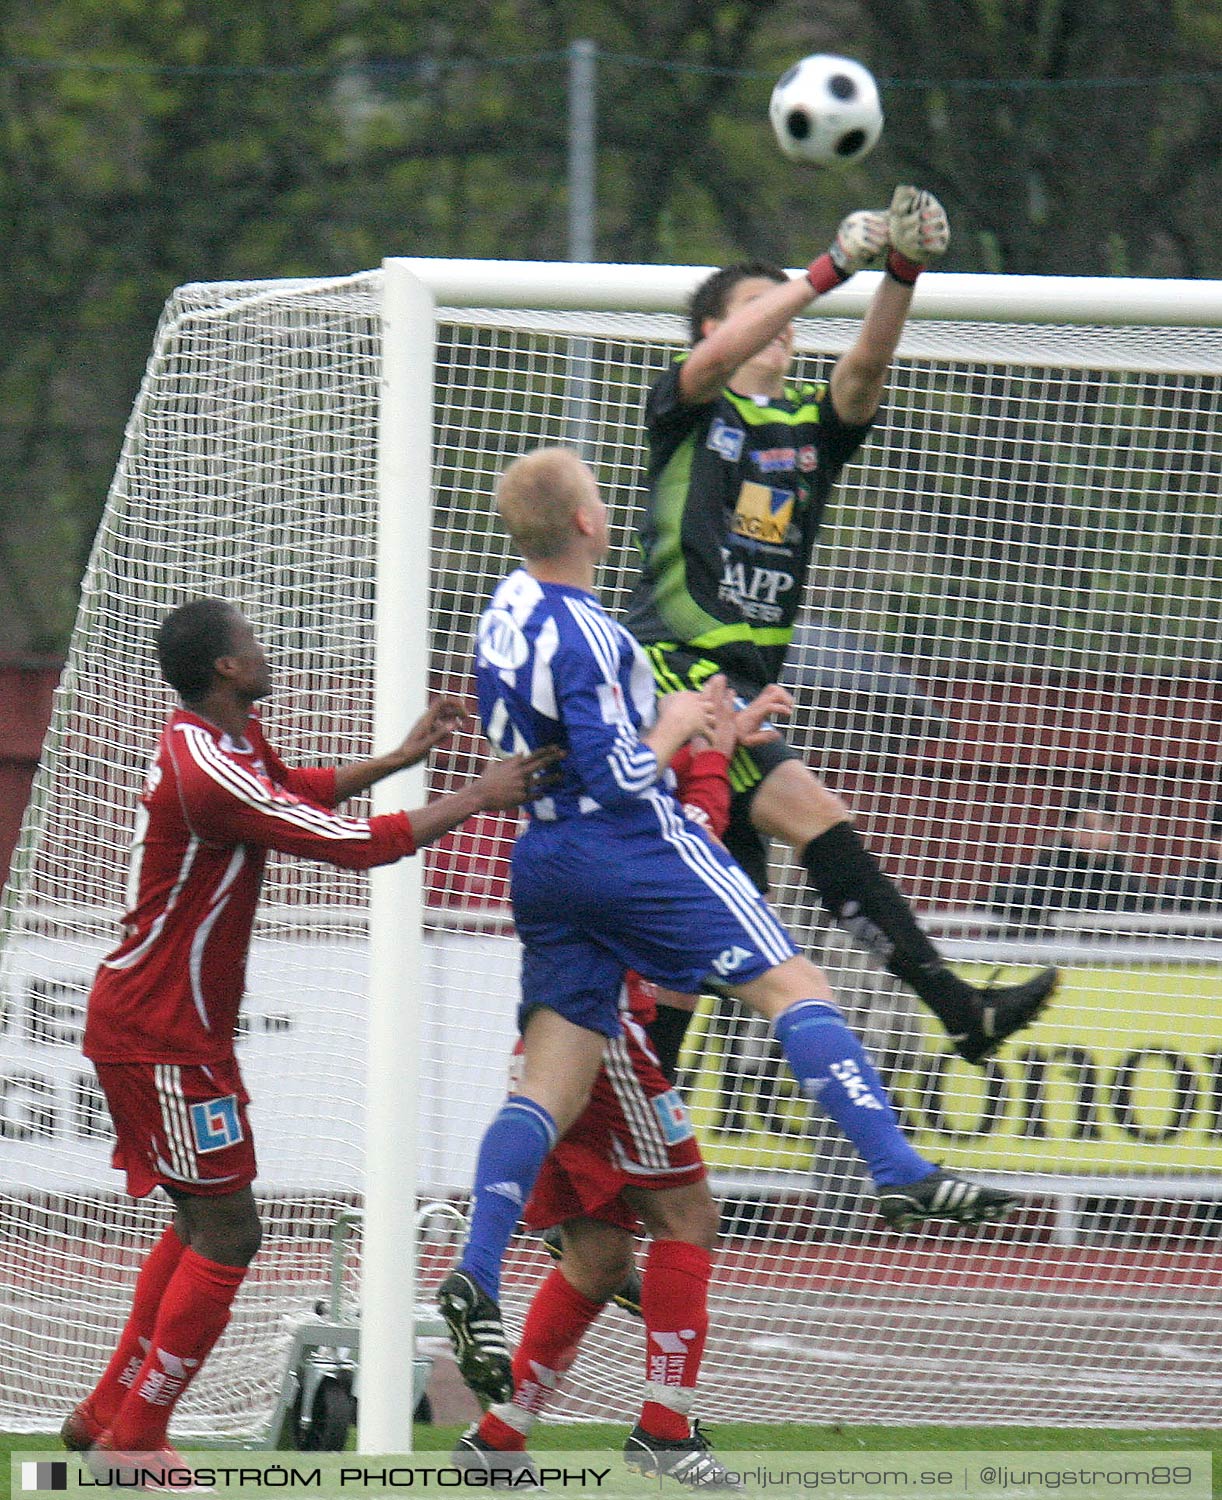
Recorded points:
(918,231)
(860,238)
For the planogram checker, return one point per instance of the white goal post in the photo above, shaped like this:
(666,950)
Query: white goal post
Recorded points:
(1015,599)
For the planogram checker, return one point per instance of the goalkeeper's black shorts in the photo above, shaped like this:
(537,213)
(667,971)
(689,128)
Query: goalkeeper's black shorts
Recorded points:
(674,669)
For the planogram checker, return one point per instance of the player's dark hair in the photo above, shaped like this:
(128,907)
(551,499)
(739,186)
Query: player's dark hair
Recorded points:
(710,297)
(190,639)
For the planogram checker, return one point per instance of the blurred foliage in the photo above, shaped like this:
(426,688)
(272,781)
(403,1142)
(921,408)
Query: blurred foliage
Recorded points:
(148,143)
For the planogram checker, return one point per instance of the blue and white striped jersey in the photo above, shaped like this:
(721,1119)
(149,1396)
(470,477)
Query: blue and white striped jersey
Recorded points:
(553,668)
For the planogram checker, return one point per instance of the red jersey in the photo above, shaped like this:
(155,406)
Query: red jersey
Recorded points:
(210,810)
(704,787)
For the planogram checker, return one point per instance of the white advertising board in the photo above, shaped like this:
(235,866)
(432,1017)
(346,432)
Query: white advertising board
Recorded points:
(302,1053)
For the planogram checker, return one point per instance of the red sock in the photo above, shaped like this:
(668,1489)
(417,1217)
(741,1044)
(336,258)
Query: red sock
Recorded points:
(675,1307)
(160,1264)
(558,1318)
(193,1313)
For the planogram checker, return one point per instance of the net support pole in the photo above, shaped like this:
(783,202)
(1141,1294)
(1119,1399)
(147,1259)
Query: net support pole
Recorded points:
(583,211)
(396,946)
(583,149)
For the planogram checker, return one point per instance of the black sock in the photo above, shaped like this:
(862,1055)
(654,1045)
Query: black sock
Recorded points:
(666,1032)
(869,906)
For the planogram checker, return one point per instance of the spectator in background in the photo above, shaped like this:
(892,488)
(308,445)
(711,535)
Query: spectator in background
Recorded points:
(1199,887)
(1085,870)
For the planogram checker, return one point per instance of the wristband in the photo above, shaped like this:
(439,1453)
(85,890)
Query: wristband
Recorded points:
(824,274)
(903,270)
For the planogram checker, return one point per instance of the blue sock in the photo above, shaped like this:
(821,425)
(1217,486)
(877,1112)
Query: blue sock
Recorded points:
(514,1148)
(833,1069)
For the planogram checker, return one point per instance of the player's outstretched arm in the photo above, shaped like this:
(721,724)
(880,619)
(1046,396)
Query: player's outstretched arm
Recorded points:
(223,800)
(918,232)
(505,784)
(702,766)
(438,722)
(859,240)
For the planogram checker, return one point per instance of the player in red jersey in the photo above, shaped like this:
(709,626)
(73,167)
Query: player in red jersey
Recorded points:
(630,1160)
(164,1005)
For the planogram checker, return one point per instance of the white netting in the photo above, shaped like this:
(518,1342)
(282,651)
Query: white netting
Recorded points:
(1016,596)
(248,470)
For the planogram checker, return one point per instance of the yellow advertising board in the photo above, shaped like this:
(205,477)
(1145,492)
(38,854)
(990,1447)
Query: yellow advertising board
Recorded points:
(1122,1074)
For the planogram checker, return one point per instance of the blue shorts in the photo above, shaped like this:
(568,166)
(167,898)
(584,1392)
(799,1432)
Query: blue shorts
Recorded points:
(596,895)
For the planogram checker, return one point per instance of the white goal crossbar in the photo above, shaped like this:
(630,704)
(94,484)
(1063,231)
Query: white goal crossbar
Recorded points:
(940,294)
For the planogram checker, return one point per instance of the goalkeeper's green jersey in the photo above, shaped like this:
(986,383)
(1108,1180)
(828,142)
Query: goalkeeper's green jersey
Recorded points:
(737,490)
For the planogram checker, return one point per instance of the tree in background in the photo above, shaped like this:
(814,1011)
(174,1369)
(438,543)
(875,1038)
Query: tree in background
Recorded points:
(1042,128)
(146,143)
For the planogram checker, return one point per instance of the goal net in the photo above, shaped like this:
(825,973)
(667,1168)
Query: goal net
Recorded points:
(1015,601)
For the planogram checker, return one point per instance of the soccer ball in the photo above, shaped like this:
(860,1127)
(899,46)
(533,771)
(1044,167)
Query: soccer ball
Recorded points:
(825,111)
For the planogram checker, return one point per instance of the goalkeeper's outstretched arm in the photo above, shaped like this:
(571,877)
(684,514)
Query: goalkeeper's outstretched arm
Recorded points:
(917,232)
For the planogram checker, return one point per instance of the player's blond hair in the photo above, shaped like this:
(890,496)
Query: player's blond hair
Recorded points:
(538,496)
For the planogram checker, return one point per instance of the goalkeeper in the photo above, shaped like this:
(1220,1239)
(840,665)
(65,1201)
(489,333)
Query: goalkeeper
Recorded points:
(740,469)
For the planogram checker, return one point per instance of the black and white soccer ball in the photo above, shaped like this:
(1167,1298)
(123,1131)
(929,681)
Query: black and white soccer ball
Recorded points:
(825,111)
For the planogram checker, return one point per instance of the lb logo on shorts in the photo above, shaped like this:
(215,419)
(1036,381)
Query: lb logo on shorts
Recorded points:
(673,1117)
(215,1124)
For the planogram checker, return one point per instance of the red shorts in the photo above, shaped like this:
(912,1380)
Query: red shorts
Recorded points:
(179,1127)
(634,1132)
